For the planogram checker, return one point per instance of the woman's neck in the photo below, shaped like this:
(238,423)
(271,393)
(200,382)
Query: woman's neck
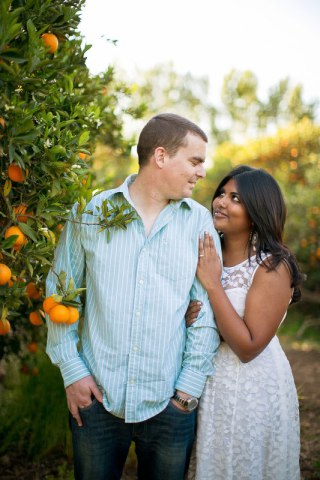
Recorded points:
(235,251)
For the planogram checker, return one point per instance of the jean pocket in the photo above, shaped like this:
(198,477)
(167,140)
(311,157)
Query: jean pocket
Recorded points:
(179,410)
(89,407)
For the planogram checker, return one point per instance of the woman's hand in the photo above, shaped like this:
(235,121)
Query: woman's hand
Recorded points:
(192,312)
(209,265)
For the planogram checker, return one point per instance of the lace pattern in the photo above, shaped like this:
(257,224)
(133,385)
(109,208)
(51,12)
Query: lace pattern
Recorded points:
(248,418)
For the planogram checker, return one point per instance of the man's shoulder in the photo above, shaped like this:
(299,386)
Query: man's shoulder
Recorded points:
(196,206)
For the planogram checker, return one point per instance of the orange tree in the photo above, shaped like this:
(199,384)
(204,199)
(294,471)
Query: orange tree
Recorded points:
(52,112)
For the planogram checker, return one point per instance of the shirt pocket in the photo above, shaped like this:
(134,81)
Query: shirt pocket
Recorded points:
(177,259)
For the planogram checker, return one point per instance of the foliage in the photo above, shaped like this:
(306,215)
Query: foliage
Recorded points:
(52,114)
(31,421)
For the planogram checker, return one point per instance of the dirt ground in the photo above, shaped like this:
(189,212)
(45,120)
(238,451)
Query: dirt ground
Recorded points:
(305,363)
(306,370)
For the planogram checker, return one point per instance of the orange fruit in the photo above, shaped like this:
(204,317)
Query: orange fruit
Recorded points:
(16,173)
(2,123)
(5,274)
(59,227)
(50,41)
(49,303)
(33,347)
(20,241)
(21,213)
(5,327)
(82,155)
(59,314)
(74,315)
(33,291)
(35,318)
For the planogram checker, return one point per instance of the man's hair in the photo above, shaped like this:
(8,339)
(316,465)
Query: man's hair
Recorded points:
(165,130)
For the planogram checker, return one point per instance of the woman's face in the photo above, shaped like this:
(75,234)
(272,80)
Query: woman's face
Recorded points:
(229,214)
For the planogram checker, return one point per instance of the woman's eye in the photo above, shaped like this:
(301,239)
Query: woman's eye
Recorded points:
(236,198)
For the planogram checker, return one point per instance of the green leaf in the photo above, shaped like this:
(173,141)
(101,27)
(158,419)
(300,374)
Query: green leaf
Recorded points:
(27,230)
(84,137)
(9,242)
(30,267)
(62,279)
(57,298)
(7,187)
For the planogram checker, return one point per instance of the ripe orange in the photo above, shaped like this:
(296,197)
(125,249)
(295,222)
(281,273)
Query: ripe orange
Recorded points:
(2,123)
(74,315)
(20,241)
(82,155)
(5,327)
(59,314)
(5,274)
(21,213)
(33,347)
(48,304)
(35,318)
(15,173)
(33,291)
(50,41)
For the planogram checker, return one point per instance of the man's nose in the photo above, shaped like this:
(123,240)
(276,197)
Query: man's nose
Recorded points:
(201,173)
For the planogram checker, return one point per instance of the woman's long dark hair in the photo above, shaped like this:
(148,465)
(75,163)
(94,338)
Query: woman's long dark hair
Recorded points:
(263,200)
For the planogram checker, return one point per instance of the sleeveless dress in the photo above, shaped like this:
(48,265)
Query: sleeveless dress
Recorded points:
(248,417)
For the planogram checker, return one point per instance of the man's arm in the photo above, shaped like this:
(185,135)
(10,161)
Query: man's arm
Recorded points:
(202,336)
(62,340)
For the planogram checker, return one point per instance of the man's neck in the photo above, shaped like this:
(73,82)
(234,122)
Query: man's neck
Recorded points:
(147,199)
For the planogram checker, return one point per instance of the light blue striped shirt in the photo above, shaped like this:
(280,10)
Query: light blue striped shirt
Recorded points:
(134,340)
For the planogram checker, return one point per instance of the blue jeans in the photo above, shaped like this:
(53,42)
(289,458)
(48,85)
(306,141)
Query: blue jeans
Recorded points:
(163,444)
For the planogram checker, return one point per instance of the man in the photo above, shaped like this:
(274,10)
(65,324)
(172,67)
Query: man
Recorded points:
(139,371)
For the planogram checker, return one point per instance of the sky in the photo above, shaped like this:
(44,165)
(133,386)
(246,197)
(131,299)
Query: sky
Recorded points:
(273,38)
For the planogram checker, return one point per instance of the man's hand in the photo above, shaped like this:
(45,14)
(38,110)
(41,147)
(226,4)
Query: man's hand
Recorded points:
(79,395)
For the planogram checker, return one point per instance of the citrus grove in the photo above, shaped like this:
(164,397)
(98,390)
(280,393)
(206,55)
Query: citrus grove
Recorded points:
(52,114)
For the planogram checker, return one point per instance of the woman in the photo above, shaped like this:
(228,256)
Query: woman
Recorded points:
(248,420)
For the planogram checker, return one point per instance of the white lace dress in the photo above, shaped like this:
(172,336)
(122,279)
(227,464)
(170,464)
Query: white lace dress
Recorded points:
(248,418)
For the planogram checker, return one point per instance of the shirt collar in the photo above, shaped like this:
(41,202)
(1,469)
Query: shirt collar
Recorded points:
(124,190)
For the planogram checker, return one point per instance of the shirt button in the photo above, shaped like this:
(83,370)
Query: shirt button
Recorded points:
(135,348)
(141,282)
(138,314)
(132,381)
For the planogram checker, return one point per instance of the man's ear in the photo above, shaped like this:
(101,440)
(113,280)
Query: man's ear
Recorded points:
(159,156)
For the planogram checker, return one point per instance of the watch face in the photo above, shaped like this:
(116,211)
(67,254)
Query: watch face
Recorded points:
(192,403)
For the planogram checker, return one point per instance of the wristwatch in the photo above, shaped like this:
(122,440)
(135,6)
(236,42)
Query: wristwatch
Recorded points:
(189,403)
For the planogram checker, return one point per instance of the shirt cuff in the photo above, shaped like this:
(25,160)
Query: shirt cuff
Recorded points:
(73,370)
(191,382)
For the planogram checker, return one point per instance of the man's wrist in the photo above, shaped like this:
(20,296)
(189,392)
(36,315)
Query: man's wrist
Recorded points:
(185,401)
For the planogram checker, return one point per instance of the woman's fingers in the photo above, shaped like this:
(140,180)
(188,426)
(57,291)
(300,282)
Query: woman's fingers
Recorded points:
(201,250)
(211,244)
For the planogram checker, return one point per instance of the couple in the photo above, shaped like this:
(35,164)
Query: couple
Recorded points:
(144,363)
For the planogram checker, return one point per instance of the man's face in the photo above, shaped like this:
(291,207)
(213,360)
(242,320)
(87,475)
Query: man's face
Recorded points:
(185,168)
